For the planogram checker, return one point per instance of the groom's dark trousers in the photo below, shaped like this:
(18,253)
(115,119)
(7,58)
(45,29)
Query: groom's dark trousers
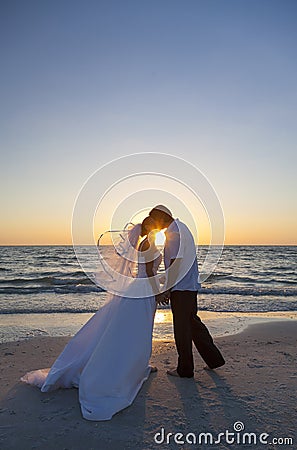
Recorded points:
(187,328)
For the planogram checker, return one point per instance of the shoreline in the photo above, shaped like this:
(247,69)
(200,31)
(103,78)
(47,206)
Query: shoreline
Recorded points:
(19,327)
(257,387)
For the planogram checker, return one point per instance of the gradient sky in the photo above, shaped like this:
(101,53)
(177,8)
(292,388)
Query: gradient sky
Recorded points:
(213,81)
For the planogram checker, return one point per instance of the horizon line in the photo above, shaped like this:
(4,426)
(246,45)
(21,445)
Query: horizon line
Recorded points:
(200,245)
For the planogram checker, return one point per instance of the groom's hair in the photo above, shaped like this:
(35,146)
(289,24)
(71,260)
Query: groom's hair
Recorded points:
(161,212)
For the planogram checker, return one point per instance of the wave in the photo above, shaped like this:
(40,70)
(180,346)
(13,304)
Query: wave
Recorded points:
(86,286)
(57,282)
(279,308)
(49,278)
(243,279)
(48,311)
(46,281)
(65,289)
(232,308)
(245,291)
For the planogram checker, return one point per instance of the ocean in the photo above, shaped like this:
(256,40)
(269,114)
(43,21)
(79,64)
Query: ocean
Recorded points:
(47,282)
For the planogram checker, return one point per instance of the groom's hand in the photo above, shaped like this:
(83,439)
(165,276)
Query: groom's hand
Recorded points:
(163,298)
(167,296)
(160,299)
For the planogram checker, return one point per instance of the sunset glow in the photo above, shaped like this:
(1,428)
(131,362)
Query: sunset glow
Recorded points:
(217,93)
(160,238)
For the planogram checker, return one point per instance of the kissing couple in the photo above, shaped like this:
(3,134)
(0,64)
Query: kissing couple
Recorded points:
(108,359)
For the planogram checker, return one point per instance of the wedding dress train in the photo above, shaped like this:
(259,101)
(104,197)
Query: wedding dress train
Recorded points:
(108,359)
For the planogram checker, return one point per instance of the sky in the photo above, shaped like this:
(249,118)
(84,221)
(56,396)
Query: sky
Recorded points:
(85,82)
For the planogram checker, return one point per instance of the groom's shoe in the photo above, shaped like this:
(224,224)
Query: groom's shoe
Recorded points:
(174,373)
(220,364)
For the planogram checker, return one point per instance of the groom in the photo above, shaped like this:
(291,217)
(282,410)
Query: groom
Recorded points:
(181,263)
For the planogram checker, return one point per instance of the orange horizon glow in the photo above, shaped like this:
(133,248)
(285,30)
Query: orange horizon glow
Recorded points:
(232,237)
(238,231)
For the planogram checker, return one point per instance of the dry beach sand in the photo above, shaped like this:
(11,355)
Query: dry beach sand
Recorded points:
(257,387)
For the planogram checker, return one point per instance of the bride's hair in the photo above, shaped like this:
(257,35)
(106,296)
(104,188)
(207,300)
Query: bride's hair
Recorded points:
(147,225)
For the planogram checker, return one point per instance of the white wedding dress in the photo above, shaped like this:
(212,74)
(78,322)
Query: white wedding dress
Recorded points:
(108,359)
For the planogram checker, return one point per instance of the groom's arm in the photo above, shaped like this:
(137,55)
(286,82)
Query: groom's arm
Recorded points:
(174,249)
(173,272)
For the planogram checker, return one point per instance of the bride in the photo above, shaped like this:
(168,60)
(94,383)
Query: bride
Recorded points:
(108,359)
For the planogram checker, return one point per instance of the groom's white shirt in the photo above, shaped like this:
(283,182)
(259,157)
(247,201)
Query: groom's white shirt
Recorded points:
(180,245)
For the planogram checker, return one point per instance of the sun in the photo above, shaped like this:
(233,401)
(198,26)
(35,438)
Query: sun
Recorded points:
(160,238)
